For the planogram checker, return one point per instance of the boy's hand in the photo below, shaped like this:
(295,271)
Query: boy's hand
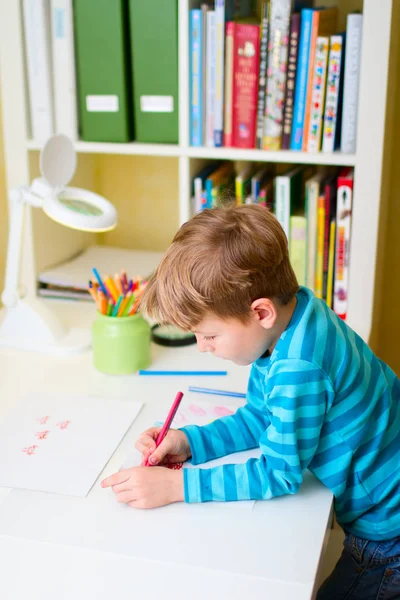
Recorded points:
(173,449)
(143,487)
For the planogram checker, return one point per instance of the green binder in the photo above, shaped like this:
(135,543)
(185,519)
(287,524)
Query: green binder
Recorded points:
(103,70)
(154,46)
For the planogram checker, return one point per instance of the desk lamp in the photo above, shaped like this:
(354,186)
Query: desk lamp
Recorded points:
(28,323)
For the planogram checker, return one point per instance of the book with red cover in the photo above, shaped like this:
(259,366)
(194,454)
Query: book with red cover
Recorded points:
(343,234)
(246,63)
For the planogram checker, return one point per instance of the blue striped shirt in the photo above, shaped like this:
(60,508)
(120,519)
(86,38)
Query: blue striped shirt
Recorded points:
(321,401)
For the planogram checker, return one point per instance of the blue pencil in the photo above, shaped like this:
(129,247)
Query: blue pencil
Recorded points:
(216,392)
(101,284)
(192,373)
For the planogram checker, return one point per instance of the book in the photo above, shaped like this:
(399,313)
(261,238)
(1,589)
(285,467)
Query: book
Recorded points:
(318,95)
(312,192)
(210,79)
(243,184)
(319,262)
(198,186)
(73,275)
(290,80)
(214,180)
(245,81)
(259,180)
(219,72)
(351,82)
(331,263)
(287,193)
(278,46)
(104,81)
(298,247)
(330,215)
(262,78)
(324,23)
(63,63)
(228,106)
(37,50)
(343,235)
(334,86)
(196,74)
(296,140)
(204,9)
(154,64)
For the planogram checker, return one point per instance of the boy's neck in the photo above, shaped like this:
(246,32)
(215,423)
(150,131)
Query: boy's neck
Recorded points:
(285,314)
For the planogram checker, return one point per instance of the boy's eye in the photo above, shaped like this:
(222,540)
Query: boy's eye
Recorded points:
(209,337)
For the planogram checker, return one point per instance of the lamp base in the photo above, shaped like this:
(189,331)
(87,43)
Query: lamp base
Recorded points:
(32,327)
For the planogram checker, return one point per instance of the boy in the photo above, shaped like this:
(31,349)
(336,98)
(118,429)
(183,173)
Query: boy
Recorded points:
(318,398)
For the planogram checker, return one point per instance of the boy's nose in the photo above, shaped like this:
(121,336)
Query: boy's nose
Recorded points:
(203,346)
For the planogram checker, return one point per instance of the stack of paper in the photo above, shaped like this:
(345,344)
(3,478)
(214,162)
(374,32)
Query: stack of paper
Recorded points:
(70,279)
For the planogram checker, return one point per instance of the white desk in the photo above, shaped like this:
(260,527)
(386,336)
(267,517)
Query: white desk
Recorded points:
(73,548)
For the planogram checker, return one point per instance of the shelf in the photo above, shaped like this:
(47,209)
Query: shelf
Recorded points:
(130,148)
(283,156)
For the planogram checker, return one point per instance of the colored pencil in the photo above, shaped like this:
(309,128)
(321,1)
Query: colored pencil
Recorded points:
(200,390)
(177,373)
(100,281)
(165,428)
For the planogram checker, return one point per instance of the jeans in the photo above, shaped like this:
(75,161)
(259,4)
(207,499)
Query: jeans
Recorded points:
(365,571)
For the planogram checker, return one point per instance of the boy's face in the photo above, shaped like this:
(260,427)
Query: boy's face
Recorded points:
(241,343)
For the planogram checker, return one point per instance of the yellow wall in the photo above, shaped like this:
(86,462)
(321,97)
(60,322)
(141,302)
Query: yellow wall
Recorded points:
(385,339)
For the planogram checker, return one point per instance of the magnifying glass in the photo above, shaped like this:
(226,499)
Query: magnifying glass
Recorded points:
(73,207)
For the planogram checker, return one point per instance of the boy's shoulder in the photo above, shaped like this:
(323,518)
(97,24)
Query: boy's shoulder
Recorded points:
(313,334)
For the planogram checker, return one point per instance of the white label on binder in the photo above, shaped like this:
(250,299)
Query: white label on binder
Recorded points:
(157,103)
(102,103)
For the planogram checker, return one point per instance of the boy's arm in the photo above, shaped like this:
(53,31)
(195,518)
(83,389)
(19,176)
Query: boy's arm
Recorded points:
(299,395)
(241,431)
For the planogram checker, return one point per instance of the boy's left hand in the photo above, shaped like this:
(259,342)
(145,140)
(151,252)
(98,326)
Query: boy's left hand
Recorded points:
(146,487)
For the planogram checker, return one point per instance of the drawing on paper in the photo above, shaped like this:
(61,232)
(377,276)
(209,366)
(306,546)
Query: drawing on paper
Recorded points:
(30,450)
(63,424)
(42,435)
(43,420)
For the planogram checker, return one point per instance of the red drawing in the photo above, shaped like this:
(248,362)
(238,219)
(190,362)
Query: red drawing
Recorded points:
(30,450)
(222,411)
(42,435)
(43,420)
(63,424)
(174,466)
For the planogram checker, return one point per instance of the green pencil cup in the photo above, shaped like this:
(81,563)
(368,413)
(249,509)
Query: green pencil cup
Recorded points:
(121,345)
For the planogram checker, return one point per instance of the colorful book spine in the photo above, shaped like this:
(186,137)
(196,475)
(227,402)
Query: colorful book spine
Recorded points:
(64,77)
(37,46)
(229,77)
(351,82)
(296,141)
(331,264)
(318,95)
(333,84)
(204,10)
(210,78)
(245,81)
(278,46)
(298,247)
(330,211)
(196,73)
(291,78)
(219,71)
(262,80)
(310,76)
(312,195)
(343,233)
(287,193)
(319,264)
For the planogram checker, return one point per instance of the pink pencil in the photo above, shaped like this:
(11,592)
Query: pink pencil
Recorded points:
(165,428)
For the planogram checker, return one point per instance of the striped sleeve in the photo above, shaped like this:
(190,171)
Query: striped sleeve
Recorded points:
(238,432)
(297,395)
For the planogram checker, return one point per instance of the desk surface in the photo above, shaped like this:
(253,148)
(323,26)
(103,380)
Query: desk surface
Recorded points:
(83,548)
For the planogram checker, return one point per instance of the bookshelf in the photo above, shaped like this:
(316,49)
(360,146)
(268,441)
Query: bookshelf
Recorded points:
(43,243)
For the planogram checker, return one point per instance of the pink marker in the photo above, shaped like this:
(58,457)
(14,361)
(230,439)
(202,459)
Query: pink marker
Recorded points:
(165,428)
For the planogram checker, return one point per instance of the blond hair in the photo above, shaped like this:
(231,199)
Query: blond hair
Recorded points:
(219,262)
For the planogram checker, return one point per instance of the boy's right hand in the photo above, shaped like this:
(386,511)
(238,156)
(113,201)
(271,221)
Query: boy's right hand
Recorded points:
(173,449)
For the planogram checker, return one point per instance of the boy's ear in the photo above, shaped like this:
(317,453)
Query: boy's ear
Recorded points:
(264,311)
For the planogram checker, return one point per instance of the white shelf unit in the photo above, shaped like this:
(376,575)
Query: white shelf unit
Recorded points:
(367,161)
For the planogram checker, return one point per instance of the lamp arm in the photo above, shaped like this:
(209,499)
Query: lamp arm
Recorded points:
(18,198)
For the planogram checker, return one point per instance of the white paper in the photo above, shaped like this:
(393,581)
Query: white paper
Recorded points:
(198,412)
(61,444)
